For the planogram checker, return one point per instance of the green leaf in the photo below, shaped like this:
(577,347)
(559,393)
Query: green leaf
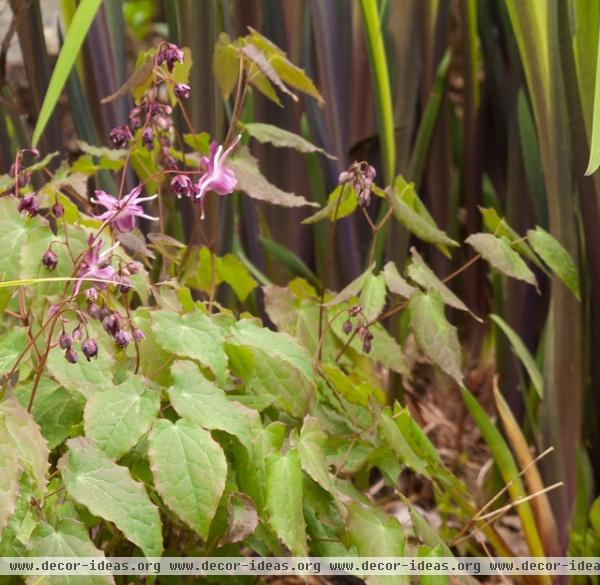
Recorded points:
(284,501)
(351,290)
(231,270)
(501,255)
(14,233)
(395,440)
(68,538)
(20,432)
(10,472)
(56,409)
(522,353)
(372,296)
(226,64)
(282,138)
(416,222)
(83,377)
(82,20)
(552,252)
(107,490)
(195,397)
(291,261)
(194,336)
(334,211)
(435,336)
(425,277)
(12,344)
(242,519)
(434,553)
(376,535)
(116,417)
(255,185)
(189,469)
(258,58)
(396,283)
(312,456)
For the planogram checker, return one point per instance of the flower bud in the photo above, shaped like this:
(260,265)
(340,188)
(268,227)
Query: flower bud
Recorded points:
(124,285)
(182,91)
(138,335)
(111,324)
(91,294)
(94,311)
(65,341)
(122,338)
(57,210)
(29,204)
(347,327)
(170,54)
(344,177)
(50,259)
(89,348)
(182,186)
(71,356)
(133,267)
(120,136)
(366,347)
(148,138)
(77,334)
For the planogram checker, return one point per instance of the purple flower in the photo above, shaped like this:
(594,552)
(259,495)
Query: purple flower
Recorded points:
(182,186)
(121,213)
(95,265)
(49,259)
(65,341)
(170,54)
(89,348)
(138,335)
(112,324)
(29,205)
(217,177)
(148,138)
(122,338)
(182,91)
(71,356)
(120,136)
(57,210)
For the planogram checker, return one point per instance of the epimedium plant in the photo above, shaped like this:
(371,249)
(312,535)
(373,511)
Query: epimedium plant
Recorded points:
(138,415)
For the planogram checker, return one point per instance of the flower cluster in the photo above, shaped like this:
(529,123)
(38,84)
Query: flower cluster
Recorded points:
(361,327)
(361,176)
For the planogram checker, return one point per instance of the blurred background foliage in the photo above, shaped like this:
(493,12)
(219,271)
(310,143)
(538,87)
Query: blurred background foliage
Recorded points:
(483,104)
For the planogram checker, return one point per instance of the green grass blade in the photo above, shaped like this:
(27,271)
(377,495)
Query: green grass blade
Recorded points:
(594,161)
(522,353)
(80,25)
(508,469)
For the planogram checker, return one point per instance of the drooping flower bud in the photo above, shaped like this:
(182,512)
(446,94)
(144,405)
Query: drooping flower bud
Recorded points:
(112,324)
(120,136)
(148,138)
(347,327)
(77,334)
(50,259)
(182,91)
(29,204)
(57,210)
(133,267)
(182,186)
(366,347)
(89,348)
(170,54)
(71,356)
(65,341)
(122,338)
(94,311)
(138,335)
(91,294)
(124,285)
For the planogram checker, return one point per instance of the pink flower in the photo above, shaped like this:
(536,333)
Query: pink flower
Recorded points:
(95,265)
(121,213)
(217,177)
